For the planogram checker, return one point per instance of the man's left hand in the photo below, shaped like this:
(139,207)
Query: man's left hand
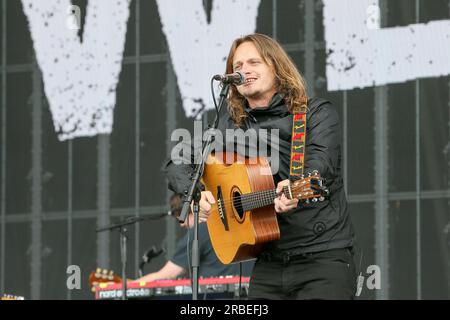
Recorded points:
(282,203)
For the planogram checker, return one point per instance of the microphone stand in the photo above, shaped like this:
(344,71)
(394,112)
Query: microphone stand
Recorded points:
(194,193)
(123,242)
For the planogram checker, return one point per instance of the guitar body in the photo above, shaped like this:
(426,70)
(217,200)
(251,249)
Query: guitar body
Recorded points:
(243,234)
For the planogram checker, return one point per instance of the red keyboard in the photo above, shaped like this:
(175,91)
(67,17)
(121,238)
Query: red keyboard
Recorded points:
(209,288)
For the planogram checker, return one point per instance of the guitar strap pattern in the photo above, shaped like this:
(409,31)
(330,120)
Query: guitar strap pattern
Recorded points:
(298,139)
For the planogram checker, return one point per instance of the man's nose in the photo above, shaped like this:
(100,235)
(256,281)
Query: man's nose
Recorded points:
(246,70)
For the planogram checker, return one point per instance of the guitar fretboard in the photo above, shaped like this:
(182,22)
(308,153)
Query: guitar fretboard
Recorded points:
(260,199)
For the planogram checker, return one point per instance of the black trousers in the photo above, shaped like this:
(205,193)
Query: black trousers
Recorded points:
(321,275)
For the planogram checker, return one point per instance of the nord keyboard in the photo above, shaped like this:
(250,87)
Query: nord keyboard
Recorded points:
(208,289)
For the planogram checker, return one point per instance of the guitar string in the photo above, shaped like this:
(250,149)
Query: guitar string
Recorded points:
(248,202)
(264,195)
(254,200)
(248,199)
(260,197)
(249,206)
(260,200)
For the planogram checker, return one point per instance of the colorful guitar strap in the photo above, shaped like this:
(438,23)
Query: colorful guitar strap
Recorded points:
(298,140)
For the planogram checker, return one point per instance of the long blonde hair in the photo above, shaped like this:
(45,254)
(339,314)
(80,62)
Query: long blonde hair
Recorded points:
(288,80)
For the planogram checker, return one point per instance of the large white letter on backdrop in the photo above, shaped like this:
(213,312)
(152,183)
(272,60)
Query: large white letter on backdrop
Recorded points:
(80,79)
(198,49)
(361,54)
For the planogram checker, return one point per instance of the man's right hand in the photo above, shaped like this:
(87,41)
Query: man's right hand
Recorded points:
(206,202)
(205,205)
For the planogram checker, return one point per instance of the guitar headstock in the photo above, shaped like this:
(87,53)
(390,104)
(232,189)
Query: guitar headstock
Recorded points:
(310,188)
(11,297)
(102,276)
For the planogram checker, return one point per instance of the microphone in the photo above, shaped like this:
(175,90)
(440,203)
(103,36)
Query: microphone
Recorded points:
(149,255)
(236,78)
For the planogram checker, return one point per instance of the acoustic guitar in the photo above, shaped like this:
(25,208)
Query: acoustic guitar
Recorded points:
(243,217)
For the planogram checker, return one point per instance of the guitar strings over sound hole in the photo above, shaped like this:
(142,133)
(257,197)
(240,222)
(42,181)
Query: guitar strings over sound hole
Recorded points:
(237,205)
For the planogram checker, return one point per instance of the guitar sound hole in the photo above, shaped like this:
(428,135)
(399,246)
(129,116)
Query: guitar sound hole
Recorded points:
(238,204)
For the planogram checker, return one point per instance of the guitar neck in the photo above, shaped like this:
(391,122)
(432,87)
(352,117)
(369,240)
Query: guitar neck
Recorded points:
(259,199)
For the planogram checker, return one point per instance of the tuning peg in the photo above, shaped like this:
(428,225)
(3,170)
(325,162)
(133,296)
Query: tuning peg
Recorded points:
(314,200)
(315,172)
(309,174)
(307,201)
(321,198)
(302,176)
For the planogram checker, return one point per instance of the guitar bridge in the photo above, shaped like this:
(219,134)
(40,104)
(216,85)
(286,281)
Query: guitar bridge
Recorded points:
(221,209)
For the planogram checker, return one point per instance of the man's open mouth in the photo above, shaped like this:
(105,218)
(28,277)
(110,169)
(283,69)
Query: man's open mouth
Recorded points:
(249,81)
